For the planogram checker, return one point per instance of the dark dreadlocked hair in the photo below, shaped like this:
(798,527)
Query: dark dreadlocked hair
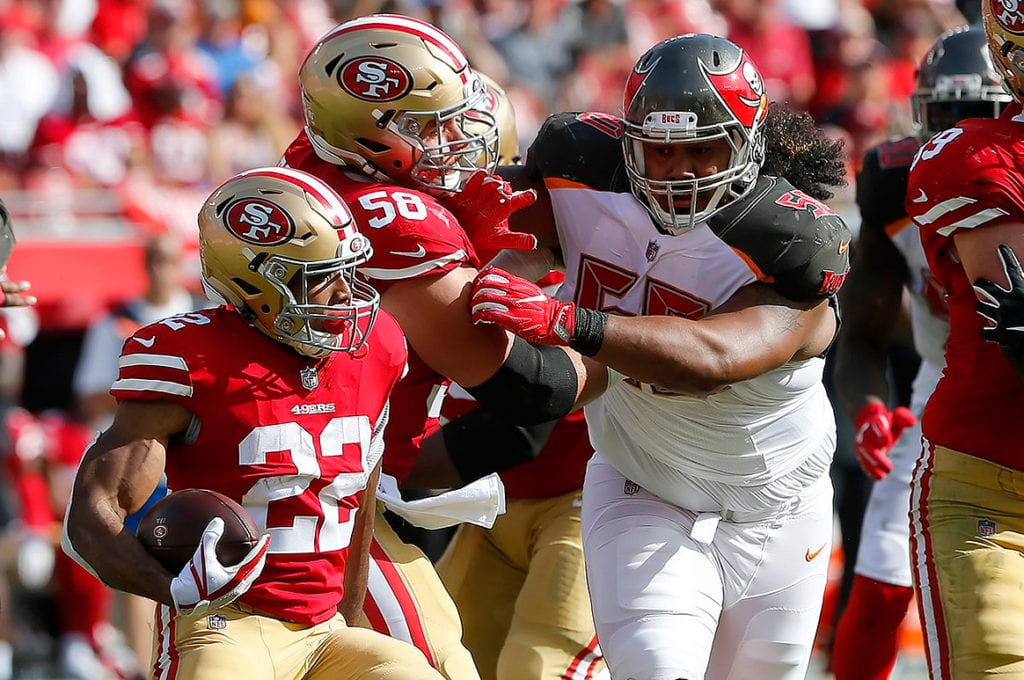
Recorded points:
(797,149)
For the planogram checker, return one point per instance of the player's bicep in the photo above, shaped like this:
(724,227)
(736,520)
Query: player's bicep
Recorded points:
(537,219)
(976,249)
(433,311)
(766,329)
(124,465)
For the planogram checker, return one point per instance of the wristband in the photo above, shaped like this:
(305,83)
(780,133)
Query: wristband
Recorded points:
(588,331)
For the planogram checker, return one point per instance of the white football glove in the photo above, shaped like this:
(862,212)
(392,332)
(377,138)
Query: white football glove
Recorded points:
(205,584)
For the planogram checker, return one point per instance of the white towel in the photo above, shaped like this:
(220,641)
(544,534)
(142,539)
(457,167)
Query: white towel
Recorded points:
(478,502)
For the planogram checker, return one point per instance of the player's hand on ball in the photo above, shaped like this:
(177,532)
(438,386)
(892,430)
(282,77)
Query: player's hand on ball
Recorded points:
(205,584)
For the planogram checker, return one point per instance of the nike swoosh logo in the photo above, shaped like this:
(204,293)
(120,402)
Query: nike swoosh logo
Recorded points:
(843,247)
(419,252)
(146,342)
(809,556)
(920,199)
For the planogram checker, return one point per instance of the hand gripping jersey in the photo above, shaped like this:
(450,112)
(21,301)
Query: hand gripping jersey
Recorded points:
(291,438)
(881,190)
(753,434)
(968,177)
(412,235)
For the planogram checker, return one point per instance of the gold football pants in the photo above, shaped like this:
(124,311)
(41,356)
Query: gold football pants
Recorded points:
(522,593)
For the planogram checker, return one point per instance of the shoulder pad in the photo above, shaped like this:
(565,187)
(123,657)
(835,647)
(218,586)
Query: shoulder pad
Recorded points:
(882,182)
(800,245)
(581,147)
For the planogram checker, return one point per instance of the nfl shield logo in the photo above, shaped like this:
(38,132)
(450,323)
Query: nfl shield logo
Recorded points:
(630,488)
(309,378)
(986,527)
(652,250)
(216,622)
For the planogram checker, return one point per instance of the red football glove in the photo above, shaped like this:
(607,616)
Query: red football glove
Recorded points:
(877,429)
(483,207)
(520,306)
(205,584)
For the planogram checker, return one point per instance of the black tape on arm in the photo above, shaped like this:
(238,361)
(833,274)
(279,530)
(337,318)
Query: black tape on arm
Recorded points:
(479,444)
(535,384)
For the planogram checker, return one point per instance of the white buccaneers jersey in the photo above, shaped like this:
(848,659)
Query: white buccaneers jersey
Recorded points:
(754,443)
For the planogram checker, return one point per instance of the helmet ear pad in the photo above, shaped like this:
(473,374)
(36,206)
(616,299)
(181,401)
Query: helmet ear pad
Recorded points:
(696,88)
(267,236)
(396,99)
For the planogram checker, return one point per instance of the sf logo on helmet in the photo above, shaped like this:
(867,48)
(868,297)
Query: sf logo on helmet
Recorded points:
(1009,15)
(255,220)
(375,79)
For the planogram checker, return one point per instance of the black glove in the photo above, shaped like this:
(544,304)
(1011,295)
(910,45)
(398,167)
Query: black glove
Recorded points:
(1003,309)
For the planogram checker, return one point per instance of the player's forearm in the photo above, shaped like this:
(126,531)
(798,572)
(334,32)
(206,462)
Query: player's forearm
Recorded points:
(860,373)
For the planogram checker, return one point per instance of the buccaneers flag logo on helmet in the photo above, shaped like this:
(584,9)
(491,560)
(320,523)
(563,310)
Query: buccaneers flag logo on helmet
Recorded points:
(741,90)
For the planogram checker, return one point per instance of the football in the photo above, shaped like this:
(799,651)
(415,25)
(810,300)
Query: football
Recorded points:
(172,529)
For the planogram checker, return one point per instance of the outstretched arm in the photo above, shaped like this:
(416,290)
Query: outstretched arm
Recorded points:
(757,330)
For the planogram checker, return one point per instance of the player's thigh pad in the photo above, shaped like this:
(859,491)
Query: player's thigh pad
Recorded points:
(884,553)
(968,551)
(774,573)
(552,632)
(656,593)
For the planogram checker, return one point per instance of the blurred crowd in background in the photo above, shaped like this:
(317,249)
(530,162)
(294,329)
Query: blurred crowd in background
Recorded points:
(128,112)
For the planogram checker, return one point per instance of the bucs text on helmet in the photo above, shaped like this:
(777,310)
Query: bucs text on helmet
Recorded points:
(694,88)
(395,98)
(956,80)
(1004,28)
(267,238)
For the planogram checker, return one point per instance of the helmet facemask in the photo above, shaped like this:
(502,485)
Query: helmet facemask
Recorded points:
(720,188)
(316,329)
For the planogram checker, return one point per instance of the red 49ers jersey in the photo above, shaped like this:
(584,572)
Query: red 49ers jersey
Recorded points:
(291,438)
(969,177)
(413,235)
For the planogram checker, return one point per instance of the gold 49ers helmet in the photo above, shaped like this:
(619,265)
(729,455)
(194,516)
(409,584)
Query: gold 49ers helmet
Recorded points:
(500,106)
(1004,27)
(269,236)
(395,98)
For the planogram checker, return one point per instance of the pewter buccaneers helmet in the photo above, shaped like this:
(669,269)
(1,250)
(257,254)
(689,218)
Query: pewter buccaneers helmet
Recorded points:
(266,238)
(688,89)
(372,86)
(1004,26)
(956,80)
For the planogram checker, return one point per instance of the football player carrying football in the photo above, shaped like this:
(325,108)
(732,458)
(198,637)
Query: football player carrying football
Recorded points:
(696,270)
(395,121)
(965,193)
(955,80)
(277,401)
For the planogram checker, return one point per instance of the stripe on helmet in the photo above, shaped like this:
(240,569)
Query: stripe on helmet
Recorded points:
(340,214)
(404,24)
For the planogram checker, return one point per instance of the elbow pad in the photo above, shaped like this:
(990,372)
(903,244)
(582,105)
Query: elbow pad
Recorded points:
(479,444)
(534,385)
